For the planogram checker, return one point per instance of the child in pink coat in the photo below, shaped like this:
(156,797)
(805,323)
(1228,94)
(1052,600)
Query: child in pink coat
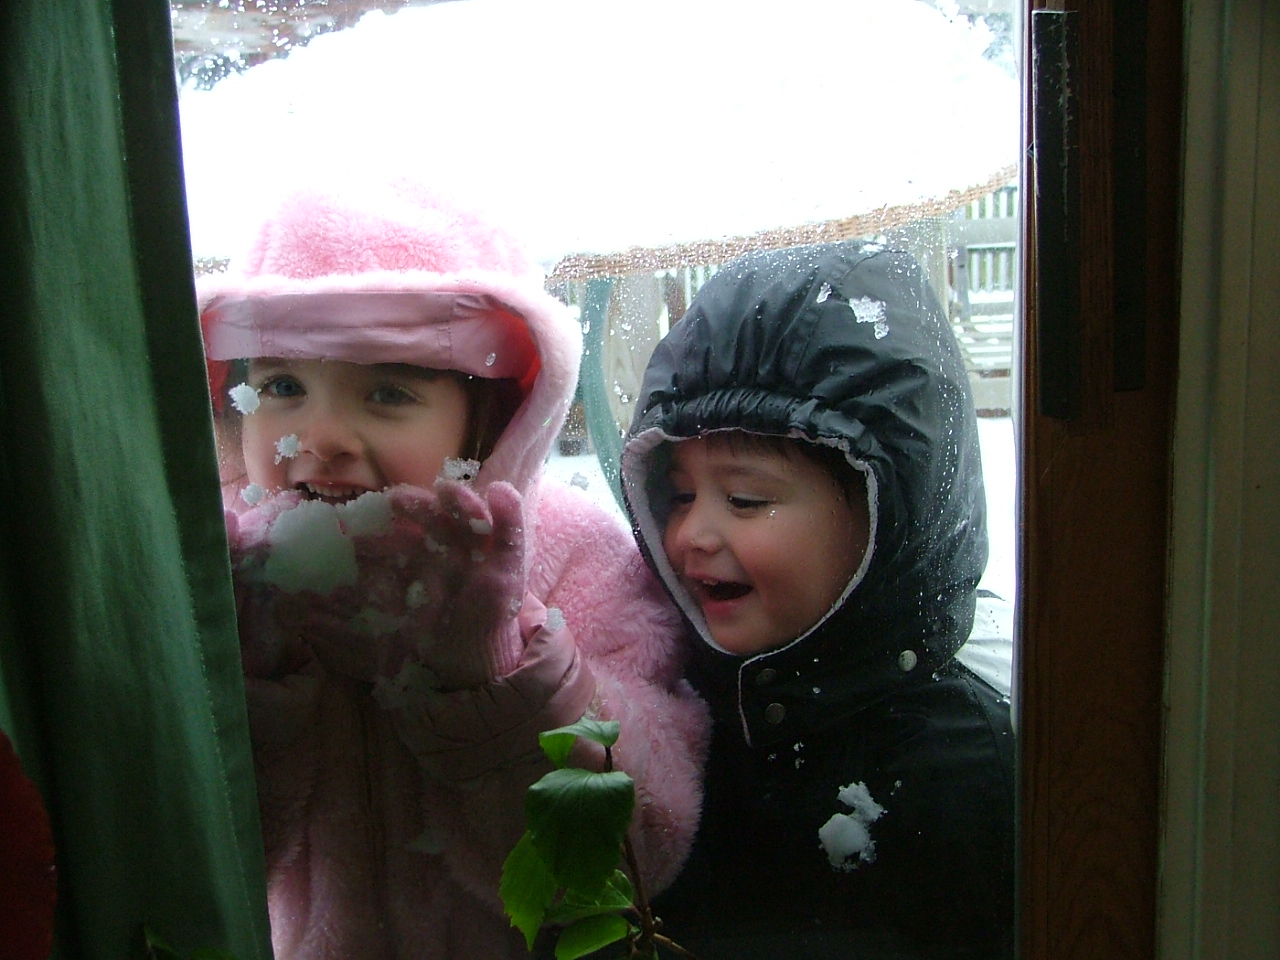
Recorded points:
(416,604)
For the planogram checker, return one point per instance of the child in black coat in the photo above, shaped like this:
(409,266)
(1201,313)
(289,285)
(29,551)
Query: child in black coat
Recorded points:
(803,473)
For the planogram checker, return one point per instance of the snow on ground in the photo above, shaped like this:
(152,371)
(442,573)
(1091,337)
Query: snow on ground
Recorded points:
(1000,473)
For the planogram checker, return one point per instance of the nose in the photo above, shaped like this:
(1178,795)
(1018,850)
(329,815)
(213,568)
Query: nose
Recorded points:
(329,435)
(694,529)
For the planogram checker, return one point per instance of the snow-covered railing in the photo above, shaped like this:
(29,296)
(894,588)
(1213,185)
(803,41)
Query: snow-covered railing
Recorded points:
(983,246)
(979,236)
(875,223)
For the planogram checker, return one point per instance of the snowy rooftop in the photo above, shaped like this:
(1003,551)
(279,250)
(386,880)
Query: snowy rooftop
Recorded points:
(594,127)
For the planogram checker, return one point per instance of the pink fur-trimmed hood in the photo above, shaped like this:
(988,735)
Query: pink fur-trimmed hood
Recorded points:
(400,274)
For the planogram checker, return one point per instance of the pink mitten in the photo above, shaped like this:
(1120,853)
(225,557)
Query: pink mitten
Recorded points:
(428,580)
(268,641)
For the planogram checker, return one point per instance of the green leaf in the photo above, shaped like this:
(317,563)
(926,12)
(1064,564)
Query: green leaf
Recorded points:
(527,888)
(153,947)
(589,935)
(557,743)
(577,820)
(149,945)
(617,896)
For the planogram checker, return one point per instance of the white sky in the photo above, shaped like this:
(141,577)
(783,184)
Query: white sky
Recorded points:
(591,127)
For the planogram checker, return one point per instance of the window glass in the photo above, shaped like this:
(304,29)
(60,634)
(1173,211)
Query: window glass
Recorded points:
(615,135)
(639,147)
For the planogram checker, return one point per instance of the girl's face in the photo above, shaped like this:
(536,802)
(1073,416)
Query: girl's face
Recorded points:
(354,427)
(764,542)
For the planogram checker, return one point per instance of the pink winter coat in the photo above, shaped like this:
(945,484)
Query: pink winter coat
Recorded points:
(386,824)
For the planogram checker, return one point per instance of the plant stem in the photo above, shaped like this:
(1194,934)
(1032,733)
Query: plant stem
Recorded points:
(646,944)
(672,945)
(642,897)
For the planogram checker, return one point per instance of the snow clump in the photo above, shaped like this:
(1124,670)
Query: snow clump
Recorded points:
(369,513)
(244,398)
(287,447)
(253,494)
(309,550)
(869,310)
(555,619)
(456,468)
(846,837)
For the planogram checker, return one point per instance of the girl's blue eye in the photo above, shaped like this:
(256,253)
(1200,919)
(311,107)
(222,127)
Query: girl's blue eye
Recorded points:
(283,386)
(391,395)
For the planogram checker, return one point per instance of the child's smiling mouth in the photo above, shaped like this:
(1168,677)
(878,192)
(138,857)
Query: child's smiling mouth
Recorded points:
(329,493)
(720,591)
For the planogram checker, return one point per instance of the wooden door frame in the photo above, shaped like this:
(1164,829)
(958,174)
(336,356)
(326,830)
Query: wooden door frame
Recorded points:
(1094,508)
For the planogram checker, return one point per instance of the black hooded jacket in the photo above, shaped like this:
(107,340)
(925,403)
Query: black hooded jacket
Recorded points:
(843,345)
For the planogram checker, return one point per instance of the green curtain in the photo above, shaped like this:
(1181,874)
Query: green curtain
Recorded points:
(119,671)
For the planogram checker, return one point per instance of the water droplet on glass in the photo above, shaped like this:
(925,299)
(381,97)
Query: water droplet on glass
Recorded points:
(490,360)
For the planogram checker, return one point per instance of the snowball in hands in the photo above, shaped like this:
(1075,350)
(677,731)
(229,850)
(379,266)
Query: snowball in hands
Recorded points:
(311,545)
(309,550)
(434,575)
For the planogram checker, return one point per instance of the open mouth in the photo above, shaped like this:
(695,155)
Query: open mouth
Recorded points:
(329,494)
(722,590)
